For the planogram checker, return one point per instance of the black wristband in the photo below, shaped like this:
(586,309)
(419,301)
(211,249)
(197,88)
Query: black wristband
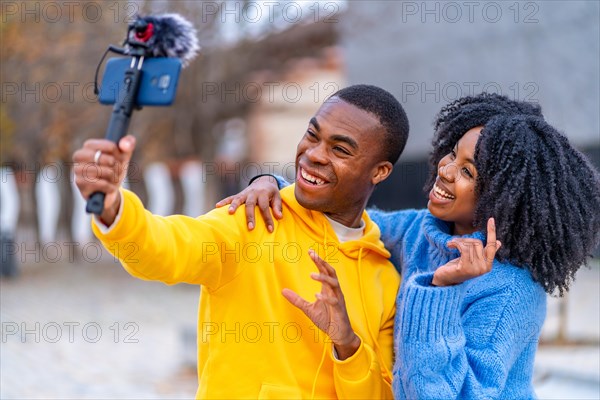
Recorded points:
(258,176)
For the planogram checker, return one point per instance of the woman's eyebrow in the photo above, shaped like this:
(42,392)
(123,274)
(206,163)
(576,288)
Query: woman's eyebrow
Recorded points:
(469,159)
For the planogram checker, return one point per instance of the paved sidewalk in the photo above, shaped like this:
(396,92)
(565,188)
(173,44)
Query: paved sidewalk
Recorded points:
(572,371)
(83,331)
(568,372)
(92,331)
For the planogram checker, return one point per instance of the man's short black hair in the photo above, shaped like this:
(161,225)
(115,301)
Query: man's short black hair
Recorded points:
(387,109)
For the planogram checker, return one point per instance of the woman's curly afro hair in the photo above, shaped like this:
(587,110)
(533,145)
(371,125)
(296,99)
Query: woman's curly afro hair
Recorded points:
(543,193)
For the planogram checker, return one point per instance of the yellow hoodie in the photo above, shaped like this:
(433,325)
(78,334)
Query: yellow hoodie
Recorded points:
(252,343)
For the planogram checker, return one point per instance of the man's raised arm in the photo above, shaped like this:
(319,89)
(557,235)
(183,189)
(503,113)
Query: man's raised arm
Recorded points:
(170,249)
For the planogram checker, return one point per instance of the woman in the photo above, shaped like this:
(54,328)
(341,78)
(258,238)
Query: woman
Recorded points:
(469,316)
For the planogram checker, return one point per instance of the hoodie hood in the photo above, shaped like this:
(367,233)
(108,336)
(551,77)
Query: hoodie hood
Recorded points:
(317,225)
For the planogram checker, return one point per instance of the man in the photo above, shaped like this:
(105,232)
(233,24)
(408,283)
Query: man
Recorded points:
(257,335)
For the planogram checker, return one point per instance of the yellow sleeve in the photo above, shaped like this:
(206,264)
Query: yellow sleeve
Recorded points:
(362,376)
(386,344)
(367,374)
(174,249)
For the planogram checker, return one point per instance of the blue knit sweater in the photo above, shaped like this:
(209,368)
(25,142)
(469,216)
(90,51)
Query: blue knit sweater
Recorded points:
(474,340)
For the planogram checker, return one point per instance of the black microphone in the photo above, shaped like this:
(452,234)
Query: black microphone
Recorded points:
(166,35)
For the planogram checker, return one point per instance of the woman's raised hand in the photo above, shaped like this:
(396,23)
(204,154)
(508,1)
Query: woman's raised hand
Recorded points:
(474,260)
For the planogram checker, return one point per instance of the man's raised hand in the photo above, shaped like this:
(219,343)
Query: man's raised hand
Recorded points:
(101,166)
(328,312)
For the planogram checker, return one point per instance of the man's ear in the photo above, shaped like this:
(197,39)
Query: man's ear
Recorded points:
(381,172)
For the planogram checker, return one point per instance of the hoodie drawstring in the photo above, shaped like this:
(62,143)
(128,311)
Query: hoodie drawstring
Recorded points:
(324,353)
(314,385)
(362,300)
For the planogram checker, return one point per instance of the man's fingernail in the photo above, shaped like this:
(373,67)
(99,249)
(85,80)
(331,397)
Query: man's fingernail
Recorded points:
(250,225)
(270,228)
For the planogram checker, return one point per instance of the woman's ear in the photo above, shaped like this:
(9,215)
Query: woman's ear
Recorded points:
(381,172)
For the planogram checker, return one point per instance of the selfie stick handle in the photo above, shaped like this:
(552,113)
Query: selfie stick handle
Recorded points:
(119,120)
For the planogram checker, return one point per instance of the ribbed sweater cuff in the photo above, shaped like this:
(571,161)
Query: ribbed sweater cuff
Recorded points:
(430,313)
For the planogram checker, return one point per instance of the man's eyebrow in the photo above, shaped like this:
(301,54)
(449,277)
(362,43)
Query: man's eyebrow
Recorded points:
(337,138)
(346,139)
(313,122)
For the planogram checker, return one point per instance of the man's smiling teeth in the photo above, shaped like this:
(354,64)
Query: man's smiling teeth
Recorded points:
(312,179)
(442,193)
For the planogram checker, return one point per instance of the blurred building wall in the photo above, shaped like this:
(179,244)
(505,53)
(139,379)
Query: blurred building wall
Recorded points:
(430,53)
(276,124)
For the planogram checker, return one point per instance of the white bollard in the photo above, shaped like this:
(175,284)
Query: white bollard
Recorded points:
(80,220)
(47,193)
(9,201)
(194,189)
(9,216)
(161,196)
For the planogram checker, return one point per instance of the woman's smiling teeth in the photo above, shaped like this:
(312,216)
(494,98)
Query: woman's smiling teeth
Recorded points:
(442,193)
(310,178)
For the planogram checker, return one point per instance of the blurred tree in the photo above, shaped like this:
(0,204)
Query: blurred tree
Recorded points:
(7,128)
(48,66)
(48,62)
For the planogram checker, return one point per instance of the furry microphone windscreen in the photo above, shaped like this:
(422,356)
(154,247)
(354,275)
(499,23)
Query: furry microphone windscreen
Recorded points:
(171,36)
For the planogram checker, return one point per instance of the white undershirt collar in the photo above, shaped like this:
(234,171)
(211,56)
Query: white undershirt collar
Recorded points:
(346,234)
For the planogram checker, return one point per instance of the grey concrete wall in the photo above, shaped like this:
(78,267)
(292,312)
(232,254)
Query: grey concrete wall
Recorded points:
(430,53)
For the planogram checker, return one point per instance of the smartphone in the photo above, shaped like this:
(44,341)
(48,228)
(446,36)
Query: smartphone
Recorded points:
(157,88)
